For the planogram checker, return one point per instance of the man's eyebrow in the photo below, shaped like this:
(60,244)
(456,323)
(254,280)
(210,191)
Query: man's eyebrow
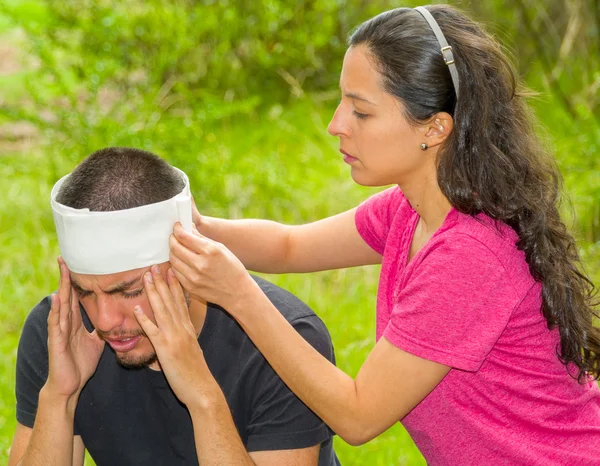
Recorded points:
(352,95)
(119,288)
(77,286)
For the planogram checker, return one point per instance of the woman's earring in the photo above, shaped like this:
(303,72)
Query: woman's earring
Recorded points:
(423,146)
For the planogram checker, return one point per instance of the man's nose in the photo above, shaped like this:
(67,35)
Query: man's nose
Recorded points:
(109,315)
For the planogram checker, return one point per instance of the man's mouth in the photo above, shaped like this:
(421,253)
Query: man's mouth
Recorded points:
(123,345)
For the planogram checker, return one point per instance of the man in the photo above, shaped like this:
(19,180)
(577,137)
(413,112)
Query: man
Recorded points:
(161,380)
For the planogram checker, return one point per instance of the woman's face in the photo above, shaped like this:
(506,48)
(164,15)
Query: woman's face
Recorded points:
(375,137)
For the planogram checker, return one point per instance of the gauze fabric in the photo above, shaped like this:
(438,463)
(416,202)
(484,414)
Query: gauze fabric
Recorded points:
(100,243)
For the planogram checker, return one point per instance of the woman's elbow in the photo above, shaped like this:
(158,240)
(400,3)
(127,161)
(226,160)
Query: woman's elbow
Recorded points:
(356,434)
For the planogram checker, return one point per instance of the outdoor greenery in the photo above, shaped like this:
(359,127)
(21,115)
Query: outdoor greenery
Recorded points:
(238,94)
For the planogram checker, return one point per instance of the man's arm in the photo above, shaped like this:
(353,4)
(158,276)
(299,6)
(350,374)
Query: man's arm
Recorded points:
(182,361)
(22,441)
(218,442)
(300,457)
(52,369)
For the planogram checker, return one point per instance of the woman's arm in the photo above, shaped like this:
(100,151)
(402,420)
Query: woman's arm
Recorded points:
(387,387)
(270,247)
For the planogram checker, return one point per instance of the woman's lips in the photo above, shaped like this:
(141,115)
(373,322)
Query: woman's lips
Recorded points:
(348,158)
(124,345)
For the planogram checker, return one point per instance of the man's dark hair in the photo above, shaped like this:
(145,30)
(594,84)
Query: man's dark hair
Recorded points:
(118,178)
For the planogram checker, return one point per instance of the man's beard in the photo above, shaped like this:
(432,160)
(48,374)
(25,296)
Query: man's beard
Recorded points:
(140,362)
(143,360)
(128,360)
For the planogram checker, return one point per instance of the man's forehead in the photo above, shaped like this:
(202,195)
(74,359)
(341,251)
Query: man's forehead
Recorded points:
(108,281)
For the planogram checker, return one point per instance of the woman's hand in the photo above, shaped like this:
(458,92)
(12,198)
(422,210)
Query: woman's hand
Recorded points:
(73,352)
(175,340)
(208,270)
(196,216)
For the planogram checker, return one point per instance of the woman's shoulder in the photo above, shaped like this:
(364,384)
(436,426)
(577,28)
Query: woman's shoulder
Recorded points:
(497,236)
(463,236)
(387,206)
(381,214)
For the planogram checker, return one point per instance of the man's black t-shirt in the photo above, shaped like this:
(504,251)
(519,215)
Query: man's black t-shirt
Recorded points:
(132,417)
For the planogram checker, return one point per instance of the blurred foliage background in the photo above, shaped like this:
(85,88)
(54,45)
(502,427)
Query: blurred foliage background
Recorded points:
(238,93)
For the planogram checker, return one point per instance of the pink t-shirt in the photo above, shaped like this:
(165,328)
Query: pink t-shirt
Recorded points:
(468,301)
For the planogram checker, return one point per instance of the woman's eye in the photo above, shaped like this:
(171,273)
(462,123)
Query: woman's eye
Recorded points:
(133,294)
(360,116)
(84,294)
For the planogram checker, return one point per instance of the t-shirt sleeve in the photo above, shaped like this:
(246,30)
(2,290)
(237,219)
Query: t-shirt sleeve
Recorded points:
(374,216)
(454,305)
(279,420)
(32,363)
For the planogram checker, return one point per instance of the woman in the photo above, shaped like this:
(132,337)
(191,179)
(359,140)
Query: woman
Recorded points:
(485,345)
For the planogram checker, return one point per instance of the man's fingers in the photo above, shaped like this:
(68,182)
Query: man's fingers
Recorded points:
(75,310)
(151,330)
(164,291)
(63,313)
(161,314)
(96,339)
(178,296)
(64,285)
(53,317)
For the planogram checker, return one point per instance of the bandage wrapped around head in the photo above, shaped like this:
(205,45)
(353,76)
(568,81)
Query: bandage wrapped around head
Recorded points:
(100,243)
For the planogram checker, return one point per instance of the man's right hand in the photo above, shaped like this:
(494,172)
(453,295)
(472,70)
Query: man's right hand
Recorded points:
(73,352)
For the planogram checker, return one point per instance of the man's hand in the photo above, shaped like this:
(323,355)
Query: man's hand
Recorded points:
(73,352)
(176,343)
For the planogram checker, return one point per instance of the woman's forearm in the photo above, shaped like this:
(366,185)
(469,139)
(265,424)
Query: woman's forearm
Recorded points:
(326,389)
(261,245)
(270,247)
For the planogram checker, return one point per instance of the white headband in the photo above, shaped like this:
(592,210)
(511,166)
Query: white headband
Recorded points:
(100,243)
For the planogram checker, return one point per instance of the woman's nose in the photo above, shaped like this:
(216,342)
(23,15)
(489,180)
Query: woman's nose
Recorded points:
(337,126)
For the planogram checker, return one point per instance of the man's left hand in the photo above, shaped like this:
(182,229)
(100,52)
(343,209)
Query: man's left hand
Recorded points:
(175,341)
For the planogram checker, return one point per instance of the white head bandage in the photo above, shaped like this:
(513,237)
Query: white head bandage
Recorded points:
(100,243)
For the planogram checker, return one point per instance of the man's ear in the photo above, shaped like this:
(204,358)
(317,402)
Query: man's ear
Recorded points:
(438,128)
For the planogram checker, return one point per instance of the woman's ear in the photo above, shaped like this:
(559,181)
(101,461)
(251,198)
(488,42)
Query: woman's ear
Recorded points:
(438,128)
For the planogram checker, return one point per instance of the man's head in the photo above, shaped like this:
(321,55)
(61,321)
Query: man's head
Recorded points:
(118,179)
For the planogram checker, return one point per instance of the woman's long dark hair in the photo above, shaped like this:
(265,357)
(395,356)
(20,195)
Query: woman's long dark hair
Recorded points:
(492,162)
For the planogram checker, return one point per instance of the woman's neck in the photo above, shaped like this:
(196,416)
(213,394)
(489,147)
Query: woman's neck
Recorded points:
(427,199)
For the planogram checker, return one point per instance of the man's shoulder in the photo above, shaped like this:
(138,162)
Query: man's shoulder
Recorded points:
(300,316)
(293,309)
(290,306)
(38,317)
